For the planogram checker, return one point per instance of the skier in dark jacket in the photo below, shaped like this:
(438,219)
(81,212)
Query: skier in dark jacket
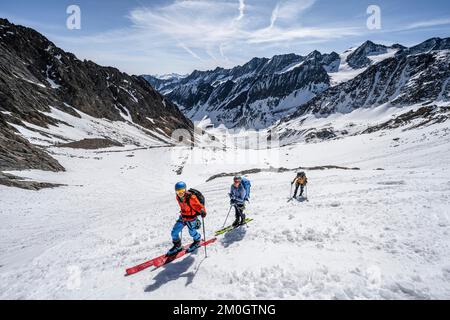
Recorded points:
(300,181)
(237,199)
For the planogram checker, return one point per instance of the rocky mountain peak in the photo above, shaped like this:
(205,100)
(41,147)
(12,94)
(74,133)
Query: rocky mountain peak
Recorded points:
(314,55)
(359,58)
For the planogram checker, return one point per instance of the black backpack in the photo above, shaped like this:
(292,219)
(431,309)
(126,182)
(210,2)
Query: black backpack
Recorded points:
(198,194)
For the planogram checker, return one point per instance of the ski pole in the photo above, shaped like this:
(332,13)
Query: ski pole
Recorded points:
(184,224)
(227,217)
(204,235)
(290,192)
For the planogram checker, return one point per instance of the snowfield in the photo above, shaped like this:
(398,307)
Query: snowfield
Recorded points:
(346,72)
(381,232)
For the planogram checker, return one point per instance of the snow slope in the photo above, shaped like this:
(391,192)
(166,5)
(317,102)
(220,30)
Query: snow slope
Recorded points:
(72,128)
(346,72)
(364,234)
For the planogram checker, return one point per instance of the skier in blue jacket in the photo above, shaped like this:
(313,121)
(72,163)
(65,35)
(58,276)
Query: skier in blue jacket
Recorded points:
(237,199)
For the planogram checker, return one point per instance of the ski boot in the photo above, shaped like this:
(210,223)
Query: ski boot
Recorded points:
(194,246)
(242,220)
(175,249)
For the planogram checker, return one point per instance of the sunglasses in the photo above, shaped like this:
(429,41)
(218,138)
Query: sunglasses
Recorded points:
(181,191)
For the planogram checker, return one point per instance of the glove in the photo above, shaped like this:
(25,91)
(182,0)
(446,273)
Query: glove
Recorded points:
(203,213)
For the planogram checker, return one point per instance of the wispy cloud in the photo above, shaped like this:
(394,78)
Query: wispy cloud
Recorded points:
(274,16)
(197,23)
(204,24)
(290,11)
(241,10)
(319,34)
(427,24)
(192,53)
(214,32)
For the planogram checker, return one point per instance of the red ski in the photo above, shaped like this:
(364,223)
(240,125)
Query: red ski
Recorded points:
(162,259)
(147,264)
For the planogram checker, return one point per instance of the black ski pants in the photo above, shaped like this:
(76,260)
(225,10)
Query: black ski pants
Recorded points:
(239,211)
(296,189)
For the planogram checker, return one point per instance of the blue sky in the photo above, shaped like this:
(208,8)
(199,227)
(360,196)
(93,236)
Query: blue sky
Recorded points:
(164,36)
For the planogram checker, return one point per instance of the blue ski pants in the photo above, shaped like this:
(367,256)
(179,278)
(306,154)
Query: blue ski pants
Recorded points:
(178,227)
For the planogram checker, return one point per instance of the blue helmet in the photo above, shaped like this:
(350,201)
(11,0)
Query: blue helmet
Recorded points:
(180,186)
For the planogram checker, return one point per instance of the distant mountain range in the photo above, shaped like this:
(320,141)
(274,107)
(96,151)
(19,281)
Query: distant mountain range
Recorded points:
(414,81)
(264,91)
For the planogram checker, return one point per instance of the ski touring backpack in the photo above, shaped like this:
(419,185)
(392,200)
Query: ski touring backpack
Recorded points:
(198,194)
(247,185)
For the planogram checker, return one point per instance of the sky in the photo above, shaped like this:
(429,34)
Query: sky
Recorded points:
(179,36)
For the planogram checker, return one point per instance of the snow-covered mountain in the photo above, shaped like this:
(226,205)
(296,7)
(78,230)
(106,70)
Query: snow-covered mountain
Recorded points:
(164,83)
(413,80)
(433,44)
(253,95)
(360,57)
(170,76)
(46,91)
(259,93)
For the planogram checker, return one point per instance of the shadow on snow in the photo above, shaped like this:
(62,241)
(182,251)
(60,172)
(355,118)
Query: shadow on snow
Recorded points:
(301,199)
(234,236)
(173,271)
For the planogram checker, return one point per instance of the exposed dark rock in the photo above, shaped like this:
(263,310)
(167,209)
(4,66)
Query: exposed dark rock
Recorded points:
(421,117)
(91,144)
(10,180)
(35,74)
(320,135)
(16,153)
(281,169)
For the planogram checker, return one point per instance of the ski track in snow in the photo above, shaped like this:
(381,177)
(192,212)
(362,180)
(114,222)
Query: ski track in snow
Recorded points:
(367,234)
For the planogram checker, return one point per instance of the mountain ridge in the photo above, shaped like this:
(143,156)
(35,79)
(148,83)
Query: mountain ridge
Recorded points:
(37,76)
(262,91)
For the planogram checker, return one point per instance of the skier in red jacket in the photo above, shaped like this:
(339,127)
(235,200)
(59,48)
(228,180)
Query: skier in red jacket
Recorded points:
(191,208)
